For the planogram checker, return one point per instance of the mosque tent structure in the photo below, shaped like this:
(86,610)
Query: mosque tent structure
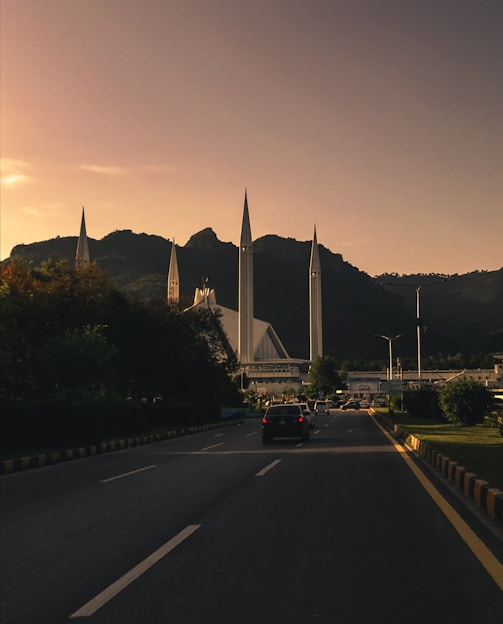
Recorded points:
(262,356)
(271,369)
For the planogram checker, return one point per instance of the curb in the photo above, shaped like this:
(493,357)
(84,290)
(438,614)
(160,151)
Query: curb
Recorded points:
(10,466)
(485,497)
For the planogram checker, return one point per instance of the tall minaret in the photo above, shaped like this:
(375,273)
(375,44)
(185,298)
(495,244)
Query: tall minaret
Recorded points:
(173,278)
(245,304)
(315,320)
(82,254)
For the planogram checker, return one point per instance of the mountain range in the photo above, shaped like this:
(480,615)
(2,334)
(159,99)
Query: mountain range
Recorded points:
(459,313)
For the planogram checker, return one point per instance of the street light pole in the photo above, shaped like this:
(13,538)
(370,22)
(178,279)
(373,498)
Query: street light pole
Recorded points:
(418,323)
(390,340)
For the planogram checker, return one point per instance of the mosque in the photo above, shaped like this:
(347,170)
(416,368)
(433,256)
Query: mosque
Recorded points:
(263,360)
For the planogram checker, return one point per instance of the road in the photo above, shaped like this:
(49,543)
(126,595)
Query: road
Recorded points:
(217,528)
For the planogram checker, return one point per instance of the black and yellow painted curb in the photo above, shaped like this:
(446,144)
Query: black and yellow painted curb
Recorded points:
(485,497)
(9,466)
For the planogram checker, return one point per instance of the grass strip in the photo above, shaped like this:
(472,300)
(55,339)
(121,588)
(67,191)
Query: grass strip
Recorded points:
(478,448)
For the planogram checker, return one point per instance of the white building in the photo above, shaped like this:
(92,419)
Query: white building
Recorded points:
(262,357)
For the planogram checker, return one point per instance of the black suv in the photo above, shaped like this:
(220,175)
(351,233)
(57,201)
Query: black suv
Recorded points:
(285,421)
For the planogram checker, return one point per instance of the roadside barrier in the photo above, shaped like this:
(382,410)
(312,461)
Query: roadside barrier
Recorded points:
(9,466)
(480,492)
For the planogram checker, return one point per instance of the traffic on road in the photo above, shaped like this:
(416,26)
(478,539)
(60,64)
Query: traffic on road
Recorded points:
(217,527)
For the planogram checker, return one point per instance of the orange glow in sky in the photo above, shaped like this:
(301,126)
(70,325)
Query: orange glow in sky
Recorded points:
(380,121)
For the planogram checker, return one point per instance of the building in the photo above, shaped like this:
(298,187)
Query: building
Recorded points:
(82,253)
(265,364)
(173,296)
(315,313)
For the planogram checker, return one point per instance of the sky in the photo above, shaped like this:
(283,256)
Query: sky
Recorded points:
(377,121)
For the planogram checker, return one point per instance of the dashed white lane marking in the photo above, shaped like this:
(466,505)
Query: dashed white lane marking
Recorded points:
(270,466)
(127,474)
(218,435)
(112,590)
(250,434)
(317,432)
(207,448)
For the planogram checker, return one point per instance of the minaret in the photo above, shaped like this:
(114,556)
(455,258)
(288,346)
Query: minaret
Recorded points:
(82,254)
(245,304)
(315,320)
(173,278)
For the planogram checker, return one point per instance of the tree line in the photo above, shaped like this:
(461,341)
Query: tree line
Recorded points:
(80,360)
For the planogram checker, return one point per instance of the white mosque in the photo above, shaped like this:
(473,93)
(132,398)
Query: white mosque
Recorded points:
(262,356)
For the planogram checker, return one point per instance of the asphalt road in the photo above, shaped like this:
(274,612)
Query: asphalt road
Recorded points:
(217,528)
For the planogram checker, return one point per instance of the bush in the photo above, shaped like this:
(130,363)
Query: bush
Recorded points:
(69,419)
(465,402)
(423,403)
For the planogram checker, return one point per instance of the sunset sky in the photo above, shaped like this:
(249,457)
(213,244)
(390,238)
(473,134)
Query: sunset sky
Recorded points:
(380,121)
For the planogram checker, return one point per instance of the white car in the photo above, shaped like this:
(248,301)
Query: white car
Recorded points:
(321,408)
(309,415)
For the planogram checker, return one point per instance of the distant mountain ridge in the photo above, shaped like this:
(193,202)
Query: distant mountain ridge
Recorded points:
(462,313)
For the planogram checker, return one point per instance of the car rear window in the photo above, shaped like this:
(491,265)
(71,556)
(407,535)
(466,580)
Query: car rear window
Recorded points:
(283,410)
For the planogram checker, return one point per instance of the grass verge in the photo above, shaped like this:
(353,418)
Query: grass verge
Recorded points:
(479,448)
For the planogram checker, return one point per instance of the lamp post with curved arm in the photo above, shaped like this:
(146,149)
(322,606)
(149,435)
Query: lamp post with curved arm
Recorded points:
(390,341)
(419,323)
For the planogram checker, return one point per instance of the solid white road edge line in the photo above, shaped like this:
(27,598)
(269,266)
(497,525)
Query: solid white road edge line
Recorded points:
(270,466)
(127,474)
(112,590)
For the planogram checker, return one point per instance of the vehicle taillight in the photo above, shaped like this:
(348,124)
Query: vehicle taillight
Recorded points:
(264,420)
(301,419)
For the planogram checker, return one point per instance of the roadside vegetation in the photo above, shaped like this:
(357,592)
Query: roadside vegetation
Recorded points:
(459,421)
(81,362)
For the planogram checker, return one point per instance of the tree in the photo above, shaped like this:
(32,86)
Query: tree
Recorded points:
(465,401)
(324,376)
(423,403)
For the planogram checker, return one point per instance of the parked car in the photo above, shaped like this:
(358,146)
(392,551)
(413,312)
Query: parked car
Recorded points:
(309,414)
(364,404)
(321,407)
(352,404)
(378,403)
(285,421)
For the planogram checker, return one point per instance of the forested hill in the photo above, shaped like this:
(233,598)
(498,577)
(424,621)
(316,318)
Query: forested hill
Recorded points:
(462,313)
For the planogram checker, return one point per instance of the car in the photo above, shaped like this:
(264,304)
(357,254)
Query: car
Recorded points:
(378,403)
(352,404)
(309,414)
(364,404)
(285,421)
(321,407)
